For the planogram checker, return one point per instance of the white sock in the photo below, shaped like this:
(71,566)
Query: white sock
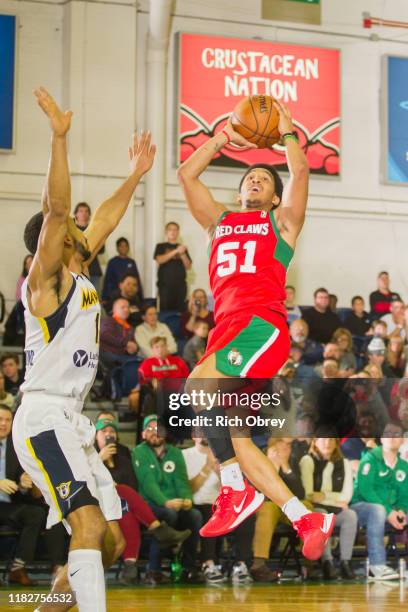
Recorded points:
(87,579)
(294,509)
(231,476)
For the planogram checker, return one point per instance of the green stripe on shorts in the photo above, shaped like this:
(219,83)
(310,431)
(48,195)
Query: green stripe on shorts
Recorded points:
(241,353)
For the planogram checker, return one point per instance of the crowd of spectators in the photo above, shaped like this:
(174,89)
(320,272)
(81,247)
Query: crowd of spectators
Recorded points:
(167,491)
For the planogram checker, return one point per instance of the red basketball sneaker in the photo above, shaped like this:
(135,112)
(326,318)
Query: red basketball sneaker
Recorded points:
(314,529)
(232,507)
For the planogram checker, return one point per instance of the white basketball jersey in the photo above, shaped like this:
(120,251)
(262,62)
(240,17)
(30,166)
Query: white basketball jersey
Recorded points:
(62,349)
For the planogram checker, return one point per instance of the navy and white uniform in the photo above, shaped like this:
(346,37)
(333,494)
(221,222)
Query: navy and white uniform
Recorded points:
(53,440)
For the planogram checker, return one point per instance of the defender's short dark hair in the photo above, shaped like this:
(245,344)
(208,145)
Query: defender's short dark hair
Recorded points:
(32,232)
(271,170)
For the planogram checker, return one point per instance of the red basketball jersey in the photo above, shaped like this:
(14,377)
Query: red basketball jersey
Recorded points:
(248,263)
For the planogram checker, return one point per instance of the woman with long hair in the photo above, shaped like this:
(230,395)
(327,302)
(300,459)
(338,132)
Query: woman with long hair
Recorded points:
(327,478)
(344,340)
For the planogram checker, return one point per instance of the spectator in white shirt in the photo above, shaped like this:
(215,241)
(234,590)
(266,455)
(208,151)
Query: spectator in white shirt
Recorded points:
(151,328)
(203,475)
(395,319)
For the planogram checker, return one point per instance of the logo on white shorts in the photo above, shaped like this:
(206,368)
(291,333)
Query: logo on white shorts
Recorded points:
(63,489)
(234,357)
(80,358)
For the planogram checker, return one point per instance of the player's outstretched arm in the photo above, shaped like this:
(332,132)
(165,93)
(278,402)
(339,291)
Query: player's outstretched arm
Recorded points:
(202,205)
(294,198)
(108,214)
(56,197)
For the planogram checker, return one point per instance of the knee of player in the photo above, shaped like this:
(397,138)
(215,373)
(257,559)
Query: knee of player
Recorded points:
(88,522)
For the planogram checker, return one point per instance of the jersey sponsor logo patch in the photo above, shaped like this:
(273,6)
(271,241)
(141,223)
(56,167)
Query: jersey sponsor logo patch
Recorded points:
(400,475)
(63,489)
(89,298)
(80,358)
(383,473)
(234,357)
(169,466)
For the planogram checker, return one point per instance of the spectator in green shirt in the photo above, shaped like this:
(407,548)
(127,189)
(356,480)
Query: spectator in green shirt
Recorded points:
(162,477)
(380,496)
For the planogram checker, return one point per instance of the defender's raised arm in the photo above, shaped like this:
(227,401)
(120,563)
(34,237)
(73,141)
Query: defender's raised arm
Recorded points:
(56,196)
(108,214)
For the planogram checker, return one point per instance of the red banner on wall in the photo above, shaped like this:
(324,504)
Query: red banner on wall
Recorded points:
(216,72)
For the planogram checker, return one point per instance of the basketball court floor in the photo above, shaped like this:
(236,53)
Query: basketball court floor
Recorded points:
(284,597)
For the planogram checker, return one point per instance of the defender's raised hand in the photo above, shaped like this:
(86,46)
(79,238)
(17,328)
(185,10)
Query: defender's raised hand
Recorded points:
(60,121)
(141,154)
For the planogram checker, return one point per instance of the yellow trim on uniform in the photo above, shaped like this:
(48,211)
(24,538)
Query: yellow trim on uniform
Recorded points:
(47,478)
(45,330)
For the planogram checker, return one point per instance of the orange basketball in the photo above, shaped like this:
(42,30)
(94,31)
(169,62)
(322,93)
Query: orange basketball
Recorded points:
(256,119)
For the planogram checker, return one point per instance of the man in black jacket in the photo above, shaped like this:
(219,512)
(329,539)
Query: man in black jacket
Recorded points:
(15,507)
(321,320)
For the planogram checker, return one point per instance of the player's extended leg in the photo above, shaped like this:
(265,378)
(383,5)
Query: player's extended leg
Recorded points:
(238,499)
(113,546)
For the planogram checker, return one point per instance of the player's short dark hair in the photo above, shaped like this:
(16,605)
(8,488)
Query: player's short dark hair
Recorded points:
(320,290)
(122,239)
(7,356)
(271,170)
(32,232)
(355,298)
(82,205)
(381,273)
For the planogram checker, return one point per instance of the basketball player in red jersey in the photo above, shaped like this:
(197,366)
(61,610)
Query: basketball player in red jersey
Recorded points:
(249,253)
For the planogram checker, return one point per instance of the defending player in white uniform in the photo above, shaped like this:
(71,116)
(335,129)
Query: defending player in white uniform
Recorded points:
(53,440)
